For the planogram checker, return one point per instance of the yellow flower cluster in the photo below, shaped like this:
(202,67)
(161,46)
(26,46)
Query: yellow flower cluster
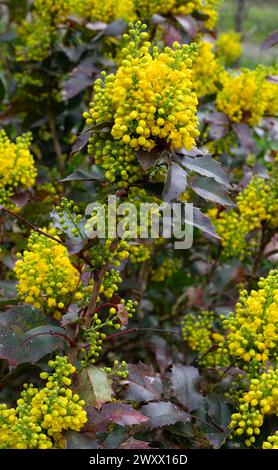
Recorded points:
(252,331)
(272,442)
(256,204)
(42,415)
(167,268)
(150,98)
(246,96)
(261,399)
(203,7)
(106,11)
(201,333)
(140,253)
(17,167)
(46,277)
(228,47)
(206,71)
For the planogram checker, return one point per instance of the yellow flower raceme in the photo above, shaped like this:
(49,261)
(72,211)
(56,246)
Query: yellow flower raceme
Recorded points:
(256,204)
(167,268)
(228,47)
(42,415)
(246,96)
(201,333)
(206,71)
(261,399)
(252,331)
(205,7)
(46,277)
(17,166)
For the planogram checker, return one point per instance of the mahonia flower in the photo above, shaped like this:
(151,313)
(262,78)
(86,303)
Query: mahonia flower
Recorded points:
(261,399)
(148,100)
(167,268)
(205,7)
(42,415)
(202,334)
(46,277)
(256,204)
(206,71)
(107,10)
(228,47)
(272,442)
(246,96)
(252,331)
(17,166)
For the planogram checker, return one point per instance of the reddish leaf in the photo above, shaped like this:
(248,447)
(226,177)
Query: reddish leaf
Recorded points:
(185,382)
(164,414)
(162,353)
(270,41)
(244,134)
(143,383)
(188,24)
(132,443)
(117,413)
(170,35)
(122,313)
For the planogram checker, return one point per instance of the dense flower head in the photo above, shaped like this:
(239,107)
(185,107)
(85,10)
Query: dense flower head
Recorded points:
(202,334)
(256,204)
(42,415)
(246,96)
(228,47)
(206,70)
(261,399)
(165,270)
(272,441)
(150,98)
(46,277)
(107,10)
(252,331)
(17,166)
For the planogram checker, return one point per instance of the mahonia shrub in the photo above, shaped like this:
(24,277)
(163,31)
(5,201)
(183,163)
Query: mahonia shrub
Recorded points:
(17,166)
(43,415)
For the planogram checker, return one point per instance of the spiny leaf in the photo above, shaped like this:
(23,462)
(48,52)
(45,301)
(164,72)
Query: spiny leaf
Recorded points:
(164,414)
(118,413)
(143,383)
(95,387)
(209,189)
(185,381)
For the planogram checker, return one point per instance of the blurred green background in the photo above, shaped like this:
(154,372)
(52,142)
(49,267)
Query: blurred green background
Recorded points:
(260,20)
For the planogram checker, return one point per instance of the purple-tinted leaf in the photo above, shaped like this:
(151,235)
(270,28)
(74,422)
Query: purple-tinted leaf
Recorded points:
(81,140)
(203,222)
(210,190)
(75,84)
(164,414)
(188,24)
(185,382)
(21,199)
(217,132)
(162,352)
(113,29)
(170,35)
(205,166)
(81,175)
(147,159)
(73,244)
(220,119)
(96,26)
(143,383)
(158,19)
(117,413)
(79,440)
(176,183)
(244,133)
(194,152)
(272,79)
(270,41)
(132,443)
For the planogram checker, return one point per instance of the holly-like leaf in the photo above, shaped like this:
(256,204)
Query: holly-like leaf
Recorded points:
(176,182)
(82,175)
(117,413)
(164,414)
(244,133)
(132,443)
(205,166)
(25,337)
(79,440)
(95,387)
(143,383)
(272,40)
(210,190)
(185,383)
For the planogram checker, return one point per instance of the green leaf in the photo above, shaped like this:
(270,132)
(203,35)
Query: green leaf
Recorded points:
(95,387)
(185,382)
(210,190)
